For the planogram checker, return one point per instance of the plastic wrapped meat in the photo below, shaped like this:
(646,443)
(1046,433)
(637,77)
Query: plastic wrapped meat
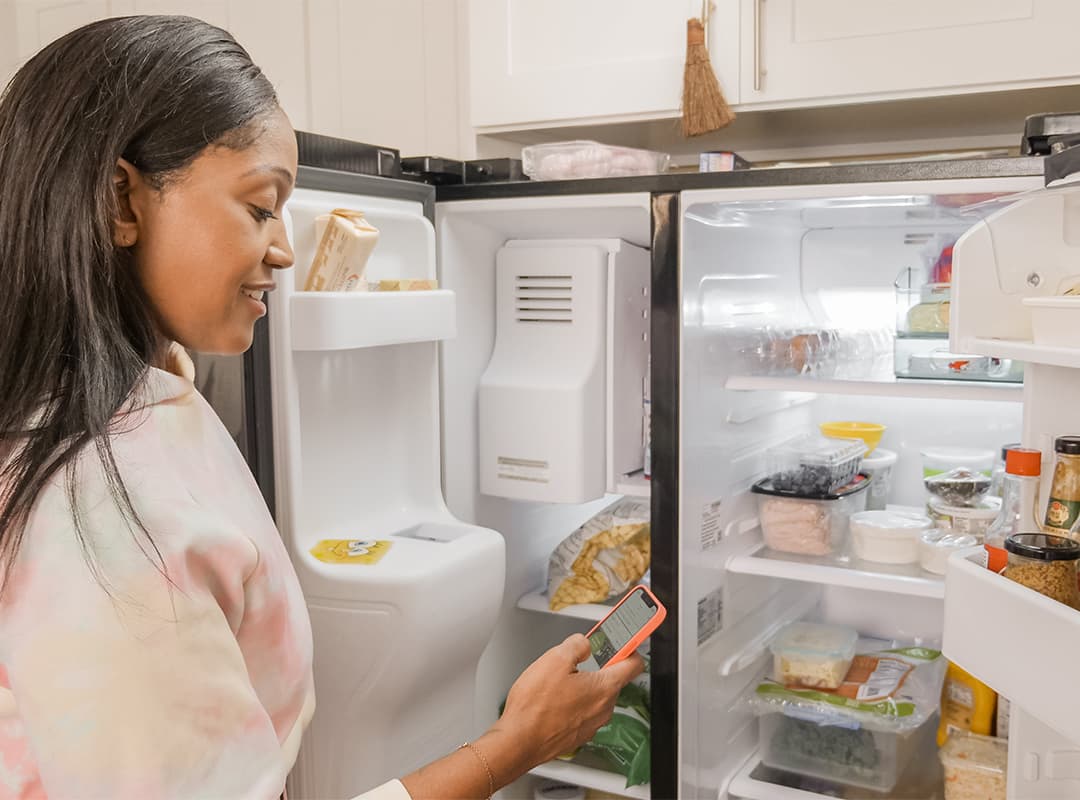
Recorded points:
(796,526)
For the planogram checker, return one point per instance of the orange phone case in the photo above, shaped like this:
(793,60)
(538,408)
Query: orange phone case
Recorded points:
(644,633)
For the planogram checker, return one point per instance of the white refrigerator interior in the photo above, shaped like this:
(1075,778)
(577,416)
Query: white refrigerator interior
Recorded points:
(761,267)
(403,596)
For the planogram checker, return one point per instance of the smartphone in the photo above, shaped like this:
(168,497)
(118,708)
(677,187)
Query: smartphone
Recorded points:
(622,631)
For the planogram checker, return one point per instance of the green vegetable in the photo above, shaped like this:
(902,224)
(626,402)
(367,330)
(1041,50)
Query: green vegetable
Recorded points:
(624,742)
(826,746)
(636,698)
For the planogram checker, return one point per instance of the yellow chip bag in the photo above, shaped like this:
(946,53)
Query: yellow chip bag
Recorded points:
(603,558)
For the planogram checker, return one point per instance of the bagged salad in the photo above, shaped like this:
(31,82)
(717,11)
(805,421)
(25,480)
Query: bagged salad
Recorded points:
(890,690)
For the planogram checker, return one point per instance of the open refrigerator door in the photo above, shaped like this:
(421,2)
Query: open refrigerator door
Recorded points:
(793,317)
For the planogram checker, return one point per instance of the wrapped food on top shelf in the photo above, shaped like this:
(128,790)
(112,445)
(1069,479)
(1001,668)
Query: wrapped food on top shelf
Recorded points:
(603,558)
(556,161)
(346,240)
(409,285)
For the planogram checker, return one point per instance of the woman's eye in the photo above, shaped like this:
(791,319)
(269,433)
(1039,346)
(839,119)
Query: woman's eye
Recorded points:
(262,214)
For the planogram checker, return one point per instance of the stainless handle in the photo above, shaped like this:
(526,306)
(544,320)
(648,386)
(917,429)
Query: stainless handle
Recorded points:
(757,45)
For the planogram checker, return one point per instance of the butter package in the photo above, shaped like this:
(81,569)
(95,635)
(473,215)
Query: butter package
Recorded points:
(346,240)
(412,285)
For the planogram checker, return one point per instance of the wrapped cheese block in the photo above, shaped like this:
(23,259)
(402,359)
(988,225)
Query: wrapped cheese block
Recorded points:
(346,240)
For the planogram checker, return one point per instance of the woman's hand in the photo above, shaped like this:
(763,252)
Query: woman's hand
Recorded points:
(553,709)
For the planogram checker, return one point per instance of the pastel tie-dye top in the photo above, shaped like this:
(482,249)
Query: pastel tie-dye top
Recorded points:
(116,684)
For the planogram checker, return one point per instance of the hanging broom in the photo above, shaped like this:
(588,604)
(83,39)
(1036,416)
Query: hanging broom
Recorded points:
(704,108)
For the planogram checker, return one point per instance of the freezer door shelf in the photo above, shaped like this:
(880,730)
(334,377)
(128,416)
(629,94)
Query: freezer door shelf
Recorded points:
(1014,639)
(538,601)
(352,320)
(589,778)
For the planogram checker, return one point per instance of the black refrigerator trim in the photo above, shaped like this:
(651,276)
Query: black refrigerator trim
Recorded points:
(329,180)
(665,335)
(674,182)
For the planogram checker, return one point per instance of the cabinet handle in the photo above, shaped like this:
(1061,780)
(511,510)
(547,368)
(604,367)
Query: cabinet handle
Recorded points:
(757,45)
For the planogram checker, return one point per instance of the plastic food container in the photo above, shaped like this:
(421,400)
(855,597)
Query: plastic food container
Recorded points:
(843,753)
(1054,320)
(887,537)
(812,655)
(936,545)
(959,487)
(556,161)
(805,524)
(975,520)
(942,459)
(976,767)
(869,432)
(1045,563)
(878,468)
(814,465)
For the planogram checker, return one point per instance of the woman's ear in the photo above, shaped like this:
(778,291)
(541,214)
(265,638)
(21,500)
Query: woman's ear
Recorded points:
(129,185)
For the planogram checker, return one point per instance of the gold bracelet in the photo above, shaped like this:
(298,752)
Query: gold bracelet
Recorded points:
(487,767)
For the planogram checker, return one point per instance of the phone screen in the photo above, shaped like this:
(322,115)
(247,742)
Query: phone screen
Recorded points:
(618,629)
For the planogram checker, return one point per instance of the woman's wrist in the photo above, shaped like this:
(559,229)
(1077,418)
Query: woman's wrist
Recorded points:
(506,751)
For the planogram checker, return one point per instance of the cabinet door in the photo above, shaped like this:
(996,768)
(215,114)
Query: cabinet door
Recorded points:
(386,72)
(808,49)
(275,41)
(542,61)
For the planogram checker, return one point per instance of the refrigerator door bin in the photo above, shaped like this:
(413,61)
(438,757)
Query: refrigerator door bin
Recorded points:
(349,320)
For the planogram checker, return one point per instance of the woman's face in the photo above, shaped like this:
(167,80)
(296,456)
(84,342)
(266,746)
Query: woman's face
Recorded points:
(207,245)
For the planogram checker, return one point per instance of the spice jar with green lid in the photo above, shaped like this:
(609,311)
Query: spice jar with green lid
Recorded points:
(1045,563)
(1063,510)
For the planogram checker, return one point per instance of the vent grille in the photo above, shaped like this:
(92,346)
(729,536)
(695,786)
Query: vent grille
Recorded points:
(544,299)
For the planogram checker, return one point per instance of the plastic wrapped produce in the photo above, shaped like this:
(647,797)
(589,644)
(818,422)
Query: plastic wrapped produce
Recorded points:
(813,464)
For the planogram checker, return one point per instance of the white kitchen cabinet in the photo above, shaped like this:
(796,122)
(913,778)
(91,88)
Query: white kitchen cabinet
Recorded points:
(386,72)
(800,52)
(274,40)
(548,61)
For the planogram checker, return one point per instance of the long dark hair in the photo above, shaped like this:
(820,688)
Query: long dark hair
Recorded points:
(76,331)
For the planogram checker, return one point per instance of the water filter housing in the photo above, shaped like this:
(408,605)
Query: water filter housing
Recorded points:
(560,402)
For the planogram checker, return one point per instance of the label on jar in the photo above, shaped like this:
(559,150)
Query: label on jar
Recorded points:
(1062,514)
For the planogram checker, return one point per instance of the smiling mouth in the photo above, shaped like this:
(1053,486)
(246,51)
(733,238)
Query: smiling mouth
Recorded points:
(254,294)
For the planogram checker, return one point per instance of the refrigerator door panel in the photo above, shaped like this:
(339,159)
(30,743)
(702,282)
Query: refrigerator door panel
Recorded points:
(789,307)
(384,565)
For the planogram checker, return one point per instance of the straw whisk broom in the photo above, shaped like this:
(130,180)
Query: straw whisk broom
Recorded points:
(704,108)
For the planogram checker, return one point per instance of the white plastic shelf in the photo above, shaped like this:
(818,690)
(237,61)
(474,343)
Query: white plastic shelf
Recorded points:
(988,616)
(1026,351)
(634,485)
(908,579)
(538,601)
(589,778)
(883,387)
(351,320)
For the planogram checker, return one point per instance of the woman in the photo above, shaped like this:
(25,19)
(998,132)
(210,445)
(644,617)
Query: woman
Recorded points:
(153,638)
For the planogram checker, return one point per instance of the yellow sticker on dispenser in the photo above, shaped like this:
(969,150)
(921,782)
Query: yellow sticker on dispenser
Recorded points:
(351,551)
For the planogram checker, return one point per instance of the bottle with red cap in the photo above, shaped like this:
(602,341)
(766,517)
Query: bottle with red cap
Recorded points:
(1019,504)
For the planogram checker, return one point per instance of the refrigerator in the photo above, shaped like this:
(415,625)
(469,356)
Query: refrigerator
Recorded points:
(375,421)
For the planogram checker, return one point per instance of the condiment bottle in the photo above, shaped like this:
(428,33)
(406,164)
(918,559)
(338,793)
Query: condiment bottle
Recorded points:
(1063,509)
(1045,563)
(1019,501)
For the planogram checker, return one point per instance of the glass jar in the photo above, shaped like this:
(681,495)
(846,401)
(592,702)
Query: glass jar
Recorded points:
(997,475)
(1045,563)
(1020,498)
(1063,509)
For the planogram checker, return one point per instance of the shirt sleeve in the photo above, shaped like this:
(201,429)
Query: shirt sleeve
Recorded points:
(392,790)
(128,686)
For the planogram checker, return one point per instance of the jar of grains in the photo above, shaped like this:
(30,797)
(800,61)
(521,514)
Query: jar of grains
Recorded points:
(1045,563)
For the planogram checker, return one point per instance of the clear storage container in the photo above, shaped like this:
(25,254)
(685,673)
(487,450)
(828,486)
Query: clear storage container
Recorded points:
(813,525)
(813,655)
(976,767)
(975,520)
(845,752)
(556,161)
(936,545)
(813,464)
